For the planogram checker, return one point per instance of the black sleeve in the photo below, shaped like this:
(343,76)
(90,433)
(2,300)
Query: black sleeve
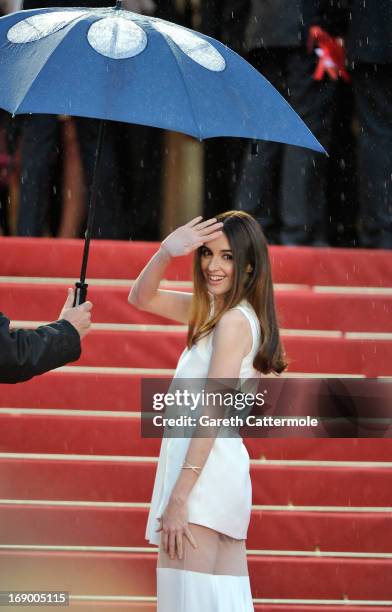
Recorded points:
(26,353)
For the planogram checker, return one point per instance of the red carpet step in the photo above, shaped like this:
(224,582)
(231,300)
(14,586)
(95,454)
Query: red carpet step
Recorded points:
(84,391)
(269,530)
(75,390)
(105,606)
(346,607)
(306,354)
(87,606)
(134,574)
(132,481)
(96,435)
(116,259)
(149,607)
(297,309)
(121,392)
(133,349)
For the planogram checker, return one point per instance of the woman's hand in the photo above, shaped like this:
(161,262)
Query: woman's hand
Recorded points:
(174,526)
(191,236)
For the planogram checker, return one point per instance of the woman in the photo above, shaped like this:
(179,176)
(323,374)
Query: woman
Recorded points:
(201,502)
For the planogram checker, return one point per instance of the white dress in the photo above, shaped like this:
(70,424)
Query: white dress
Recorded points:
(221,498)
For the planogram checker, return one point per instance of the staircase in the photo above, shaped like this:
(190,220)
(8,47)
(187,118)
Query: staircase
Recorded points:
(76,476)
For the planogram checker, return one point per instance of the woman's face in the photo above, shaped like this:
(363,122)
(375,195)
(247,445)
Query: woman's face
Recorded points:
(217,265)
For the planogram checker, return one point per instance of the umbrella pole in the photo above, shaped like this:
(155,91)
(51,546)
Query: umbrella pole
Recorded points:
(81,286)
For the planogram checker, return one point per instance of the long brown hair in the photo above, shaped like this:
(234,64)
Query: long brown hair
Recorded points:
(252,280)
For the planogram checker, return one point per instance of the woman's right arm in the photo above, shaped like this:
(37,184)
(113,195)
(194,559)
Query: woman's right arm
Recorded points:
(145,293)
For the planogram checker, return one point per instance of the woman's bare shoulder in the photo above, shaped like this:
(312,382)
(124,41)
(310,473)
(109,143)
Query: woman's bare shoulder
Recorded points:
(234,323)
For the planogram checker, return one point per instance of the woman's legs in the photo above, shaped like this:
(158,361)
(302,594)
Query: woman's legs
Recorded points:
(212,577)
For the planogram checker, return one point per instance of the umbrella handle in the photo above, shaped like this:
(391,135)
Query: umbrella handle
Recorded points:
(80,293)
(81,286)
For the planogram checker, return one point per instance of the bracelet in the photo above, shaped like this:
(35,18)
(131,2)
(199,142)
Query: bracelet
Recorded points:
(194,468)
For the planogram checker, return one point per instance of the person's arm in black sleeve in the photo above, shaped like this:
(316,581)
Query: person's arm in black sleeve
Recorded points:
(24,354)
(27,353)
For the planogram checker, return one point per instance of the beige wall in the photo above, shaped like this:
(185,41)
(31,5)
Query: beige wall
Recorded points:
(182,192)
(9,6)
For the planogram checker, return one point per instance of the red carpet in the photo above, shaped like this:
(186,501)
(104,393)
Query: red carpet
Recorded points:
(269,530)
(297,309)
(87,606)
(323,531)
(113,259)
(132,482)
(134,574)
(95,435)
(132,349)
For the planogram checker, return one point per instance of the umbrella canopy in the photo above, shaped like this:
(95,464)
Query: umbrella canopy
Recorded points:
(117,65)
(112,64)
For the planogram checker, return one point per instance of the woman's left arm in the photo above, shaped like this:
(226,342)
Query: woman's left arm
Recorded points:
(231,342)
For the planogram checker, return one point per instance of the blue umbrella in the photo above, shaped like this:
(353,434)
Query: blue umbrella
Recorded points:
(112,64)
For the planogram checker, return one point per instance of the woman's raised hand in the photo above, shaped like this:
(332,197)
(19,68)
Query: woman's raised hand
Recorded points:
(191,236)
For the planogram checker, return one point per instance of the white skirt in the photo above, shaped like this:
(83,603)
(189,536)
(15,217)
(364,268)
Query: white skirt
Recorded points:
(185,591)
(210,578)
